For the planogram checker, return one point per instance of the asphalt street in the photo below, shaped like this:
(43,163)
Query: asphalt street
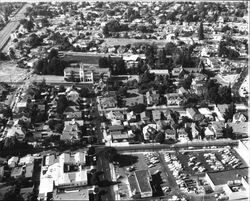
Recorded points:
(103,165)
(10,27)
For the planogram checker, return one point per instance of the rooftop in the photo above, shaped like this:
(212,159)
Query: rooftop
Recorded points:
(220,178)
(72,194)
(142,177)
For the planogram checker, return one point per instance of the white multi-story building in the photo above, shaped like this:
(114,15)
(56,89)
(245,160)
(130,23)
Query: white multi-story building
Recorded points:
(80,74)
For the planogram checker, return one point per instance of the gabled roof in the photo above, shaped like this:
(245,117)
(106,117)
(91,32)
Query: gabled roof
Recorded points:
(116,127)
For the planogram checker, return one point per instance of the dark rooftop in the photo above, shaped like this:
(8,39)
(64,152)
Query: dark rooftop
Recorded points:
(220,178)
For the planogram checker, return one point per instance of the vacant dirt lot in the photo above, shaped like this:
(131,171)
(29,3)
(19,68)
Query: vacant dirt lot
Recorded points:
(9,72)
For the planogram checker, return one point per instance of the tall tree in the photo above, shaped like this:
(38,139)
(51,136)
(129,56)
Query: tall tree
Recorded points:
(225,94)
(201,32)
(230,112)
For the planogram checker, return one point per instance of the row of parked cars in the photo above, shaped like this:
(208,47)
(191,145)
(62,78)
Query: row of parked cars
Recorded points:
(195,165)
(182,179)
(229,158)
(152,159)
(213,162)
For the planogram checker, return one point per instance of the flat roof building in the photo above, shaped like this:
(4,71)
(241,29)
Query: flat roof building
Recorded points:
(140,183)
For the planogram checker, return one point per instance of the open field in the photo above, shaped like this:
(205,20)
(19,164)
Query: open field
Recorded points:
(126,41)
(9,72)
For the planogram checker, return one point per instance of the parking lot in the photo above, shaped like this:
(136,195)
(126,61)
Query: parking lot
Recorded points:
(163,181)
(176,172)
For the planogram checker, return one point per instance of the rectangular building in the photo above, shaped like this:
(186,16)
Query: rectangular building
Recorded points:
(140,184)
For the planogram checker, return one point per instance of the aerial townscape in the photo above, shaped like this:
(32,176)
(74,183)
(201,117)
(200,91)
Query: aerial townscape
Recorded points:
(128,100)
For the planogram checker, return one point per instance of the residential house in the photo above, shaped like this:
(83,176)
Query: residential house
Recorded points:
(220,110)
(145,116)
(115,115)
(218,127)
(152,98)
(174,99)
(28,159)
(131,116)
(118,137)
(210,132)
(182,91)
(207,113)
(73,96)
(176,71)
(21,106)
(198,84)
(12,162)
(156,115)
(42,132)
(16,131)
(182,135)
(194,114)
(134,101)
(17,172)
(71,132)
(148,130)
(28,171)
(195,130)
(163,72)
(240,129)
(115,128)
(239,117)
(131,61)
(73,122)
(170,134)
(107,102)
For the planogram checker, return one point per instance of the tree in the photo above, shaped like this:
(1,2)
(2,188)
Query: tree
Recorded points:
(122,92)
(138,108)
(84,92)
(53,53)
(228,132)
(225,94)
(189,132)
(59,127)
(72,76)
(109,153)
(61,89)
(186,83)
(170,48)
(12,54)
(104,62)
(230,111)
(201,32)
(29,25)
(28,11)
(160,137)
(7,113)
(105,31)
(62,103)
(212,95)
(34,40)
(45,22)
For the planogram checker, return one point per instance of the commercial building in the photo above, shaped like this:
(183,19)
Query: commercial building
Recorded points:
(65,172)
(139,183)
(233,182)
